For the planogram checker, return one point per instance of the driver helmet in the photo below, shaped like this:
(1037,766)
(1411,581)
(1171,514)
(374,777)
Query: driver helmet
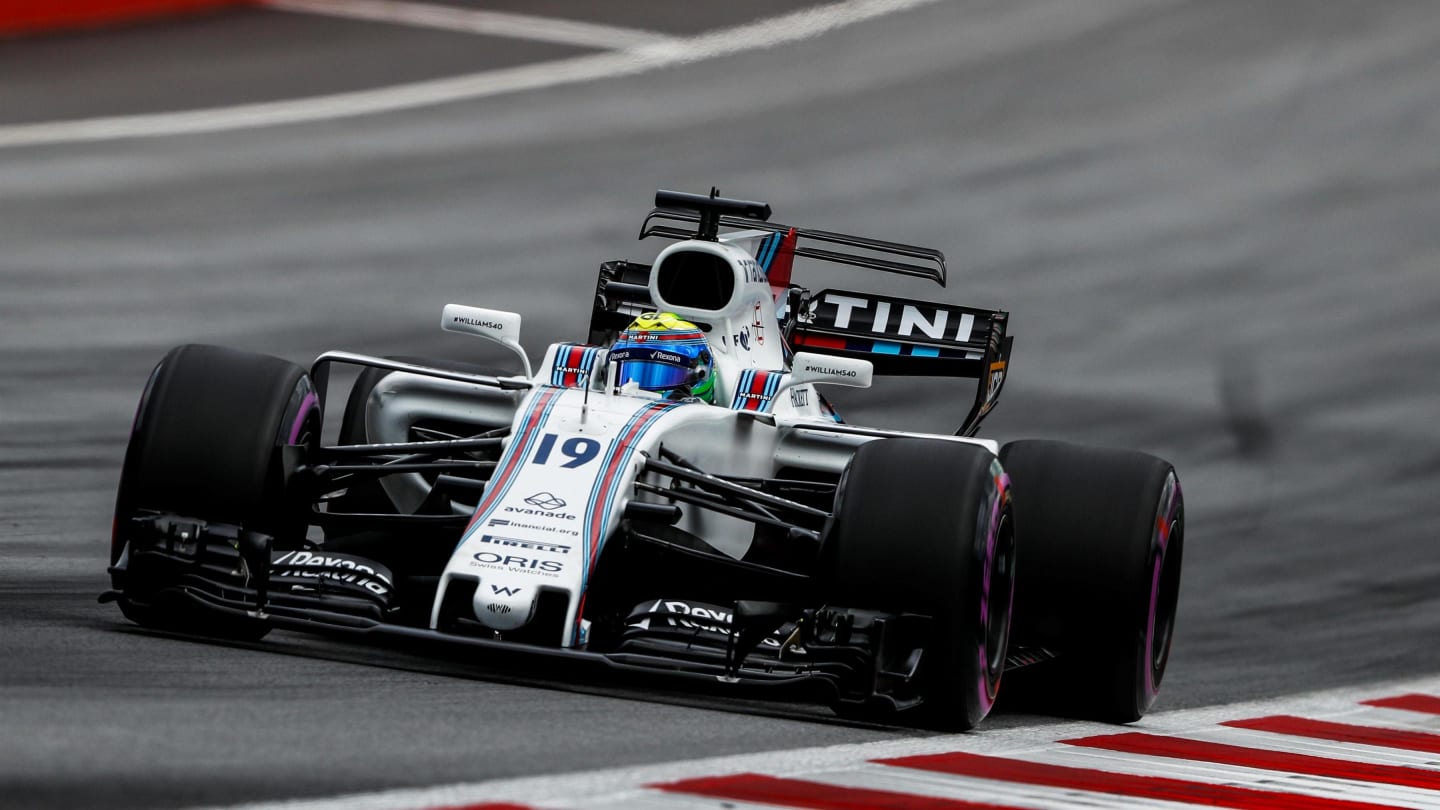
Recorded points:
(663,353)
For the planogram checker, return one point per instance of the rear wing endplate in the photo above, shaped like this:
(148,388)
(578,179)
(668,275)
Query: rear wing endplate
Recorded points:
(622,293)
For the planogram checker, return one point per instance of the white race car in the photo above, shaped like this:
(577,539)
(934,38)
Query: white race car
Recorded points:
(674,495)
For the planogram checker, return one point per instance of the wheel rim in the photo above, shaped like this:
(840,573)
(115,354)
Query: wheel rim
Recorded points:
(1001,591)
(1167,597)
(1167,543)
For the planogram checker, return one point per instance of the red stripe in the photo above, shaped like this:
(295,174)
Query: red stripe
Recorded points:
(1428,704)
(781,265)
(754,787)
(757,383)
(486,806)
(598,516)
(572,360)
(1342,732)
(49,14)
(1156,746)
(756,400)
(622,455)
(820,341)
(497,482)
(1149,787)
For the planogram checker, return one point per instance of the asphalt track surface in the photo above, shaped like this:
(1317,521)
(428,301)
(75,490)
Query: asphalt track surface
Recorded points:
(1215,224)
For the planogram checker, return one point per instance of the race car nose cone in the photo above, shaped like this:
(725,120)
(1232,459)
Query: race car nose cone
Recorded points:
(505,607)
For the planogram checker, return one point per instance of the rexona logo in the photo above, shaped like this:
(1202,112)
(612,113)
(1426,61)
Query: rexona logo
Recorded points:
(833,372)
(546,505)
(322,566)
(490,559)
(700,617)
(483,324)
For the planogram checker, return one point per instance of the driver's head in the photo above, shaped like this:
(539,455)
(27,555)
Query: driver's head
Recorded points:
(662,353)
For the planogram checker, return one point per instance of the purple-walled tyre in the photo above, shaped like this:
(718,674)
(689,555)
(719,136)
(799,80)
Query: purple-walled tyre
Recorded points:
(1101,536)
(923,526)
(205,444)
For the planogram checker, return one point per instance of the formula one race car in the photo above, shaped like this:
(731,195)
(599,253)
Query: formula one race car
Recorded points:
(674,495)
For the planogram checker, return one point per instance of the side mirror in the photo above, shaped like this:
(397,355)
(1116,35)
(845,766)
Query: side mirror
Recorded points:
(490,324)
(807,367)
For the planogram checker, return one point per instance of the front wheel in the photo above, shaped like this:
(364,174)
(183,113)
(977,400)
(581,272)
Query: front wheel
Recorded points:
(204,446)
(923,526)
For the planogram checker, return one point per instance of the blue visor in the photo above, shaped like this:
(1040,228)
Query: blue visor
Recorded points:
(658,367)
(654,376)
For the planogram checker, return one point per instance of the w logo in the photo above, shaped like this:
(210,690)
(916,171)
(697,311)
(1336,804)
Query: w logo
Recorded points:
(500,589)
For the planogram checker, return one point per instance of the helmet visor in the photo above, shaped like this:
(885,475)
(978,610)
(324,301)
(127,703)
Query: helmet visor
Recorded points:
(654,368)
(654,376)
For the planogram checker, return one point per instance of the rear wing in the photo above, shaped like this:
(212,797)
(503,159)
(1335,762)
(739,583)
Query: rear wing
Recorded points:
(904,337)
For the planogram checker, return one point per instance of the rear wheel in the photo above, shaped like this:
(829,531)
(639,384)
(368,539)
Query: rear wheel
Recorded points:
(204,445)
(923,526)
(1102,535)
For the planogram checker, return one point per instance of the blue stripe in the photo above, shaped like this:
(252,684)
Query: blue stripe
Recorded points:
(556,375)
(604,463)
(884,347)
(587,362)
(520,448)
(772,384)
(608,497)
(924,351)
(767,251)
(746,378)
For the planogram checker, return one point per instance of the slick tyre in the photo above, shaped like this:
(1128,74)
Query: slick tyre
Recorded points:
(204,445)
(1101,535)
(923,526)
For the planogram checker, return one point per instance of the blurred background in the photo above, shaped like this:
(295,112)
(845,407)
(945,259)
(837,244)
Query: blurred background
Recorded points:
(1214,224)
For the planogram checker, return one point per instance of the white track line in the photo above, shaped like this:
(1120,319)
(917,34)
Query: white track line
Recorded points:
(472,21)
(624,787)
(766,33)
